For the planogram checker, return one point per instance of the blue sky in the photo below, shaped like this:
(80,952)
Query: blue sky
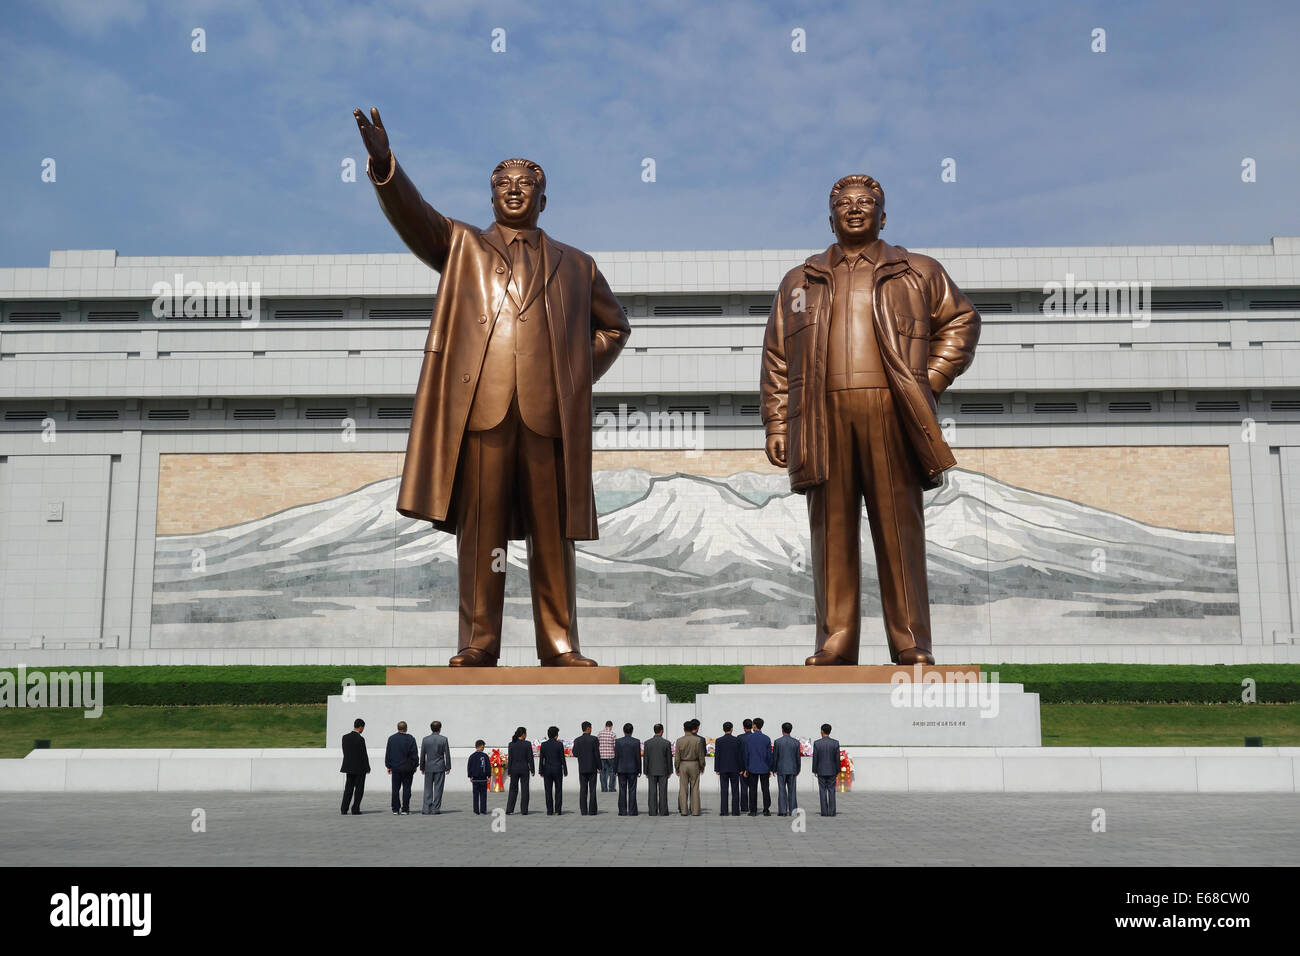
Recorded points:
(162,151)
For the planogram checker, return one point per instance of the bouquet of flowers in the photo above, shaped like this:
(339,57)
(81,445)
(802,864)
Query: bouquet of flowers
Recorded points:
(805,746)
(496,783)
(844,783)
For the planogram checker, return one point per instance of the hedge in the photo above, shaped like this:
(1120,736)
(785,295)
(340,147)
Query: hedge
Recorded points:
(169,685)
(1054,683)
(682,682)
(1153,683)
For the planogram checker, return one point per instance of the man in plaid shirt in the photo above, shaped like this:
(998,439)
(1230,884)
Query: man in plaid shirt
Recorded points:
(606,739)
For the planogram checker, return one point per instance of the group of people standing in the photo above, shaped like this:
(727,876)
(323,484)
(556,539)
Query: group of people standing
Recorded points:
(744,763)
(403,758)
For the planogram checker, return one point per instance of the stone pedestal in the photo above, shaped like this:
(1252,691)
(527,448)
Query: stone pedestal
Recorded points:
(493,711)
(882,715)
(949,714)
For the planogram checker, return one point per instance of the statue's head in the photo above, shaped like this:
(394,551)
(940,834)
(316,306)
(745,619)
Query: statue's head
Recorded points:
(857,209)
(518,193)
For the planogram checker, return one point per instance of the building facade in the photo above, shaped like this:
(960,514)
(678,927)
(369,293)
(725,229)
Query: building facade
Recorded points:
(211,478)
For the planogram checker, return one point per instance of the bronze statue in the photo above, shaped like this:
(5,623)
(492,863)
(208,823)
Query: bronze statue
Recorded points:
(860,341)
(500,440)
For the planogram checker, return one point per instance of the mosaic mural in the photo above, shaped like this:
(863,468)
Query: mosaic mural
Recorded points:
(687,557)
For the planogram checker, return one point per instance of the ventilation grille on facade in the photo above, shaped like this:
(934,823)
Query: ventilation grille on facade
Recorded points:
(120,316)
(393,411)
(687,409)
(326,414)
(308,314)
(218,309)
(613,409)
(994,308)
(1055,408)
(1218,406)
(749,409)
(385,315)
(1266,305)
(1191,305)
(253,414)
(760,310)
(672,310)
(97,415)
(1129,407)
(982,408)
(25,415)
(34,316)
(168,415)
(1285,405)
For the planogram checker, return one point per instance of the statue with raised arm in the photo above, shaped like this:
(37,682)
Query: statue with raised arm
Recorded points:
(861,340)
(500,439)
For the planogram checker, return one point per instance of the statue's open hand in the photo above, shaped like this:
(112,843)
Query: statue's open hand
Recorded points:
(776,450)
(374,136)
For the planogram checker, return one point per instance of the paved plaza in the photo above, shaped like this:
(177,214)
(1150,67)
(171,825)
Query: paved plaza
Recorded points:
(153,829)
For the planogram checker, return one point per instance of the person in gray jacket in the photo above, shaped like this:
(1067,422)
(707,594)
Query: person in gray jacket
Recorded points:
(658,757)
(786,762)
(435,762)
(826,767)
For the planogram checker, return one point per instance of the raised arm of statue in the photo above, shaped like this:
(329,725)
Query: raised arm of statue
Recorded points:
(426,232)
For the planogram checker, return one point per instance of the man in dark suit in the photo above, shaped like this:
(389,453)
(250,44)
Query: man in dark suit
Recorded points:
(586,750)
(435,762)
(401,758)
(554,768)
(786,762)
(627,764)
(726,764)
(356,764)
(758,766)
(826,767)
(747,726)
(658,767)
(519,765)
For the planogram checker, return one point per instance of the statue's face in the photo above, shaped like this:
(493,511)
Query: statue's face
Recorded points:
(857,214)
(517,197)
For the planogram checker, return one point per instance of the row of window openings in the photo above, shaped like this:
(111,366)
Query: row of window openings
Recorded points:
(667,311)
(391,413)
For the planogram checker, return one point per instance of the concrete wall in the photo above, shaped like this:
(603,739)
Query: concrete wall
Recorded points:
(876,770)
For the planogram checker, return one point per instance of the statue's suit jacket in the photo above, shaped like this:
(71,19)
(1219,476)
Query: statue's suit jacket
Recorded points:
(926,329)
(587,330)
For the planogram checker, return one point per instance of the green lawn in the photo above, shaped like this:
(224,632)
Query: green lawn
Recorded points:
(1169,725)
(221,725)
(303,725)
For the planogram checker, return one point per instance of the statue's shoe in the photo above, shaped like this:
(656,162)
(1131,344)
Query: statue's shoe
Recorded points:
(914,655)
(473,657)
(571,659)
(827,659)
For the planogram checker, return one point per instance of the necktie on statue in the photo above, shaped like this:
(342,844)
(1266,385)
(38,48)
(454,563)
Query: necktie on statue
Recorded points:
(521,267)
